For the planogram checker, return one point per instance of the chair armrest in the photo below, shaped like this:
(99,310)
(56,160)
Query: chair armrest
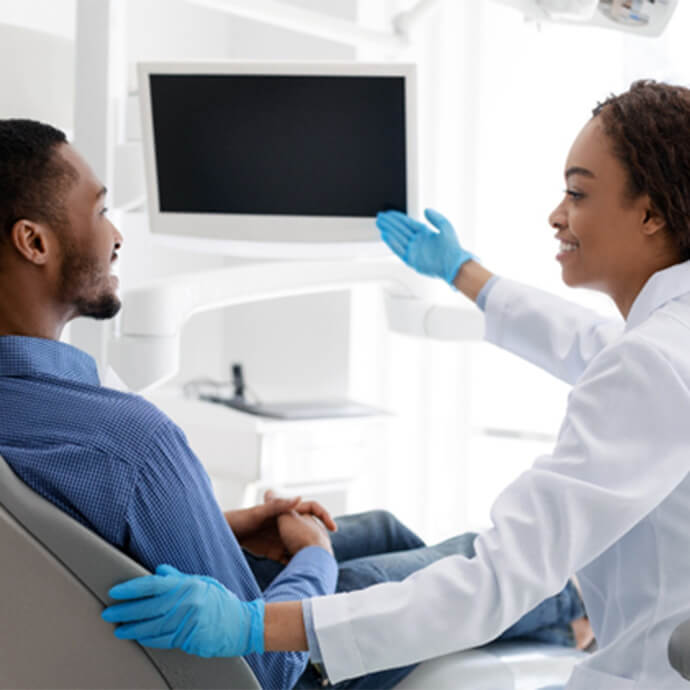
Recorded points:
(679,649)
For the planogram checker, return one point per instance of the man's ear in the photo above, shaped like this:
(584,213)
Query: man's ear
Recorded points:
(32,240)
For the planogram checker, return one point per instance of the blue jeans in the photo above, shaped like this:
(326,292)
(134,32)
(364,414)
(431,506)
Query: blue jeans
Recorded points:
(375,547)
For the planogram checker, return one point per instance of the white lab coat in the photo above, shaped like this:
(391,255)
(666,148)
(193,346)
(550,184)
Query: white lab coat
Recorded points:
(611,503)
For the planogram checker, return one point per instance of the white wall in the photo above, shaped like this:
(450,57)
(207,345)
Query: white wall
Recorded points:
(37,75)
(55,17)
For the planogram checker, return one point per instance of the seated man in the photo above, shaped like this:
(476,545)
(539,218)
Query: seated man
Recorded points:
(122,468)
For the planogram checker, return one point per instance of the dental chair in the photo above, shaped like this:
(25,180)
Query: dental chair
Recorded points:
(54,580)
(679,649)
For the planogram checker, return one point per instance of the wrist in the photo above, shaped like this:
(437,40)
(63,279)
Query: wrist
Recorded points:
(471,278)
(328,548)
(460,259)
(316,543)
(284,628)
(240,521)
(240,631)
(256,610)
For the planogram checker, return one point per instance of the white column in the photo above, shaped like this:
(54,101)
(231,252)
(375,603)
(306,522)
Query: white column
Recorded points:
(100,95)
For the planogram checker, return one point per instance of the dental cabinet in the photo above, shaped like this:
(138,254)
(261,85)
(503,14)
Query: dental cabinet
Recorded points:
(336,460)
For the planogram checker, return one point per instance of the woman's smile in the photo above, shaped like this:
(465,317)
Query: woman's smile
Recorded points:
(567,249)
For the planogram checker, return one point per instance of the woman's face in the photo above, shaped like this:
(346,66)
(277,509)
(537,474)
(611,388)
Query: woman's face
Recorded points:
(604,236)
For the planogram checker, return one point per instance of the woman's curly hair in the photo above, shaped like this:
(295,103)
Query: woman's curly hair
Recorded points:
(649,126)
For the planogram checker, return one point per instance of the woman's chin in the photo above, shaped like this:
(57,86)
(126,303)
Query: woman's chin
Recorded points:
(569,278)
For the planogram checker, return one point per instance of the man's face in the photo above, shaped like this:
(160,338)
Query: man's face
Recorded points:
(88,245)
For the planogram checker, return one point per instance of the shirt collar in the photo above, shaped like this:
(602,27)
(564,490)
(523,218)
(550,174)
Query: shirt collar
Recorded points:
(662,287)
(21,356)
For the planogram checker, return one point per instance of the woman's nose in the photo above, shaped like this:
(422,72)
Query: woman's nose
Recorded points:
(557,218)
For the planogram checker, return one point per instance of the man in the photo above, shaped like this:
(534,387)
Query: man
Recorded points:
(119,465)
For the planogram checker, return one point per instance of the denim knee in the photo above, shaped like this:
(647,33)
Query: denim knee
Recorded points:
(401,537)
(383,519)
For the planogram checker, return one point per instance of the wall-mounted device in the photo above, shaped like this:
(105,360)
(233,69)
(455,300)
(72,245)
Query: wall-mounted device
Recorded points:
(279,159)
(641,17)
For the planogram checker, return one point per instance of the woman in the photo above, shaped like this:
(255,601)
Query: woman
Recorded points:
(612,502)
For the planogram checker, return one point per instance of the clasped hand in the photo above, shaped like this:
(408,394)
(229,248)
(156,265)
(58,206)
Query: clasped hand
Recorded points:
(280,527)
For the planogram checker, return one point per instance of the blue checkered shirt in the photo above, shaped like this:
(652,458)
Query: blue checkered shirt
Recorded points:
(118,465)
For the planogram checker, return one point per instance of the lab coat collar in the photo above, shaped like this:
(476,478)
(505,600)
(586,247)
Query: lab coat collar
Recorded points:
(22,356)
(662,287)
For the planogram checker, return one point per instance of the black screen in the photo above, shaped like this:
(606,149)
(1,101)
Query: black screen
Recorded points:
(283,145)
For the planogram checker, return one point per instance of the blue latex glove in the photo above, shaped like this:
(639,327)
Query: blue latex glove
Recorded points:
(432,253)
(192,612)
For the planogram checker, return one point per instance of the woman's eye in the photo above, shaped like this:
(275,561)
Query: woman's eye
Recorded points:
(104,210)
(575,196)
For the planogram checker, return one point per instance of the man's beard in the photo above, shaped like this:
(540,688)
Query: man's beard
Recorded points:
(82,281)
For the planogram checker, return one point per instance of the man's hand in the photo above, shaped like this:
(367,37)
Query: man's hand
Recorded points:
(301,530)
(248,521)
(256,528)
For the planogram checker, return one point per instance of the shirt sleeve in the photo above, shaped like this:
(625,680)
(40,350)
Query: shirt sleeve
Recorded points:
(484,292)
(311,572)
(173,517)
(555,519)
(308,619)
(555,334)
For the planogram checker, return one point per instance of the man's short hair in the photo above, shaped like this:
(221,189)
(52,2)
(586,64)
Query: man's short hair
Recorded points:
(34,178)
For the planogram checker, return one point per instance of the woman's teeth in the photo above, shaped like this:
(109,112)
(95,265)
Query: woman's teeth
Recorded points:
(568,246)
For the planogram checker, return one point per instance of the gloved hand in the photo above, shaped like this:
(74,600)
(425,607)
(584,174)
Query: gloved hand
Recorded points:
(193,612)
(432,253)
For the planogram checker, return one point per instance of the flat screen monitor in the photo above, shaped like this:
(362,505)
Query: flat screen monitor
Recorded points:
(279,158)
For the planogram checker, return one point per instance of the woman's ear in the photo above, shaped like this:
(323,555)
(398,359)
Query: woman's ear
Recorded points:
(652,221)
(32,241)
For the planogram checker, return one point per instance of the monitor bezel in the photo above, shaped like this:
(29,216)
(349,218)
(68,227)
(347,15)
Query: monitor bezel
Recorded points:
(263,235)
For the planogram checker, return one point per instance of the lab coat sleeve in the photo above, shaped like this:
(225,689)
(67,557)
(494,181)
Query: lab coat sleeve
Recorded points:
(557,335)
(621,450)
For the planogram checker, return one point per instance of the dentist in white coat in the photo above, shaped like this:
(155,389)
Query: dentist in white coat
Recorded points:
(612,501)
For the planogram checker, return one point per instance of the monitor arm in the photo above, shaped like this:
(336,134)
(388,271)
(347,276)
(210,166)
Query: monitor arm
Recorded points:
(145,347)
